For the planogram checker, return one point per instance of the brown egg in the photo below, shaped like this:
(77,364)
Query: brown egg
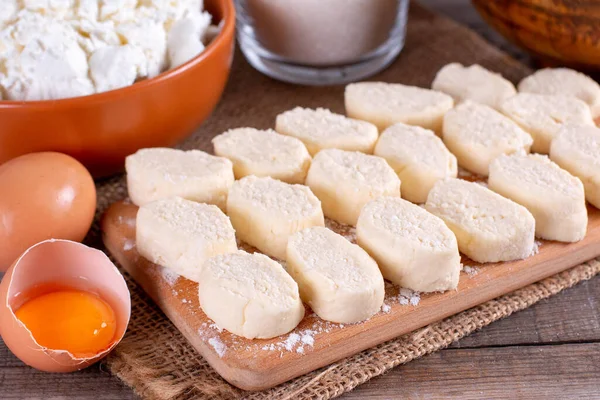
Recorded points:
(57,265)
(43,196)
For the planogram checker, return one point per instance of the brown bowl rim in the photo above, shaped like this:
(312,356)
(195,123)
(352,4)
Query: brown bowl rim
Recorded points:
(226,31)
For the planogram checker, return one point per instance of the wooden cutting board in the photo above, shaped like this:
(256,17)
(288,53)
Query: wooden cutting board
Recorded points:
(260,364)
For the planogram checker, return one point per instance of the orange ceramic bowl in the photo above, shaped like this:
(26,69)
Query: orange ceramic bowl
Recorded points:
(100,130)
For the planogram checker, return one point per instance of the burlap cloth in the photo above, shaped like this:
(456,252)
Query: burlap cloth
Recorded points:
(155,359)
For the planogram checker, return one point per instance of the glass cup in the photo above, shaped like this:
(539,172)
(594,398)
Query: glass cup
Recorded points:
(321,42)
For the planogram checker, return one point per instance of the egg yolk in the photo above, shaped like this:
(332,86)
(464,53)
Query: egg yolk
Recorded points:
(79,322)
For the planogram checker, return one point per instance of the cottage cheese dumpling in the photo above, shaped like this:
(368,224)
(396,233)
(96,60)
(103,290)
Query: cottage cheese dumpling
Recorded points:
(345,181)
(263,153)
(565,82)
(249,295)
(265,212)
(476,134)
(473,83)
(419,158)
(160,173)
(321,129)
(181,234)
(338,279)
(577,149)
(413,248)
(385,104)
(488,227)
(543,115)
(554,197)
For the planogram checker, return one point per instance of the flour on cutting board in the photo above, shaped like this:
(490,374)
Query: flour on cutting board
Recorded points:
(296,341)
(128,245)
(218,345)
(407,296)
(471,271)
(127,221)
(169,275)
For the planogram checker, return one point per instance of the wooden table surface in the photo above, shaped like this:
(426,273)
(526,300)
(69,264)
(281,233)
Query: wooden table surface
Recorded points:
(548,351)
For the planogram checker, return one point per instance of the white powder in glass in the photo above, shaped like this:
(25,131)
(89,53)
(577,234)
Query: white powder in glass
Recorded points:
(322,32)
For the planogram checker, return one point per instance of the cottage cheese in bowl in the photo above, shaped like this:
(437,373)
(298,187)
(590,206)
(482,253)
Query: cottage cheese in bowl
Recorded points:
(53,49)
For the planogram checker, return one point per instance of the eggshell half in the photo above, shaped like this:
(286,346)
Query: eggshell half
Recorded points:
(59,263)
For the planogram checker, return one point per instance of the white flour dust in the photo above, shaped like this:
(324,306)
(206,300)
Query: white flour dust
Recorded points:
(128,245)
(127,221)
(218,345)
(471,271)
(407,296)
(169,275)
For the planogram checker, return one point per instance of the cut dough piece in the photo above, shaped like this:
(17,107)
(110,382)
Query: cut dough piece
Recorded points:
(488,227)
(250,295)
(554,197)
(338,279)
(419,158)
(565,82)
(476,134)
(473,83)
(345,181)
(264,153)
(543,115)
(385,104)
(413,248)
(577,149)
(265,212)
(321,129)
(160,173)
(181,234)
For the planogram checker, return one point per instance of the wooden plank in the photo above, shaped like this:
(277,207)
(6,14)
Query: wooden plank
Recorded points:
(259,364)
(93,384)
(7,359)
(18,381)
(569,371)
(570,316)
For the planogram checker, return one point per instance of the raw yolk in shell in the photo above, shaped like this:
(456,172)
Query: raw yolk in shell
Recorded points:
(79,322)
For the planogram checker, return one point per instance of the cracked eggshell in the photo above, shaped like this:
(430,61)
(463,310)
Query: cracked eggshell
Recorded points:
(53,265)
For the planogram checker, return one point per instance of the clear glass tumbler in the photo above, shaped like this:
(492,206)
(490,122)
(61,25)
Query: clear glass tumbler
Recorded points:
(321,42)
